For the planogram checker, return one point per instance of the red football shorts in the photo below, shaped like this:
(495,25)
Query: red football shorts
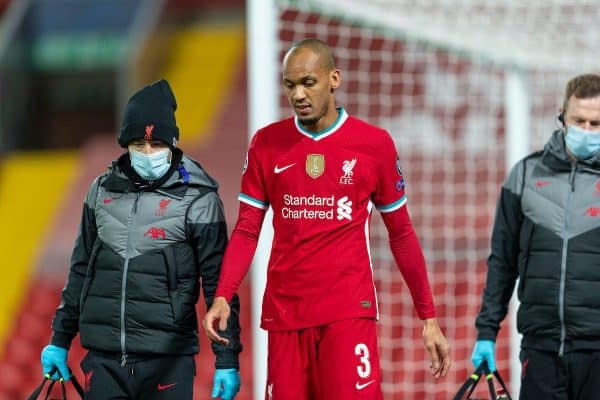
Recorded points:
(335,361)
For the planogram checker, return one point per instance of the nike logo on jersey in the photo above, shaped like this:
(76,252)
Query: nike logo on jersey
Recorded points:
(165,387)
(364,385)
(278,170)
(542,183)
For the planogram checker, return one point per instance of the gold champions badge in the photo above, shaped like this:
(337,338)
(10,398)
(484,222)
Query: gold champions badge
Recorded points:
(315,165)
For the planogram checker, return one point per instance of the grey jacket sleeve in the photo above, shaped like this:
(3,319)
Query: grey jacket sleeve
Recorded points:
(65,324)
(502,261)
(206,222)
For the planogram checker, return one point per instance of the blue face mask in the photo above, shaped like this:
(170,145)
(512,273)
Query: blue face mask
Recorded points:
(581,143)
(150,166)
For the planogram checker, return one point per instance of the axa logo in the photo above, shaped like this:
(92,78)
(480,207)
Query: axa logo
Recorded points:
(344,209)
(592,212)
(156,233)
(162,207)
(149,129)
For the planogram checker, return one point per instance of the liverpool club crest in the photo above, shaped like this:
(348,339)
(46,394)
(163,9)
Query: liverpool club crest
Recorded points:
(347,167)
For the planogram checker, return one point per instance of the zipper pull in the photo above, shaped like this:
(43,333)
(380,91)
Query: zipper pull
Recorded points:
(123,360)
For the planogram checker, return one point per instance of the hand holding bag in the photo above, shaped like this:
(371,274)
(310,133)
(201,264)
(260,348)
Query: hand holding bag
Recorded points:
(471,383)
(36,393)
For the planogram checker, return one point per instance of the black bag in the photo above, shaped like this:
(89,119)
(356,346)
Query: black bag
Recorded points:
(471,383)
(36,393)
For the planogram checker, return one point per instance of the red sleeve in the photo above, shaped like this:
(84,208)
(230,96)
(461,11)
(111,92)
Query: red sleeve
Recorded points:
(240,250)
(253,190)
(410,260)
(389,195)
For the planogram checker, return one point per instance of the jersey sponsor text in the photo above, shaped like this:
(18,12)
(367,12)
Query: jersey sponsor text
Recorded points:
(330,208)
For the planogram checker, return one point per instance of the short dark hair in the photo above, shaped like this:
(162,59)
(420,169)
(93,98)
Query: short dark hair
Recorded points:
(318,47)
(583,86)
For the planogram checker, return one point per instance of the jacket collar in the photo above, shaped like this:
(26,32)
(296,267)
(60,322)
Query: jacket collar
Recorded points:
(556,157)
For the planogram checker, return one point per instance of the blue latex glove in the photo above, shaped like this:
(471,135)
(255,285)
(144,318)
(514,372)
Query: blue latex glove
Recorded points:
(55,357)
(484,350)
(226,383)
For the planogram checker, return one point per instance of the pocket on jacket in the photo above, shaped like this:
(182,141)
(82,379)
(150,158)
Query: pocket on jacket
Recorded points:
(182,290)
(525,236)
(89,274)
(172,285)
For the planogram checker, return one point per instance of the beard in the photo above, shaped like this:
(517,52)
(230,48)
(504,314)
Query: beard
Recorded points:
(311,120)
(308,121)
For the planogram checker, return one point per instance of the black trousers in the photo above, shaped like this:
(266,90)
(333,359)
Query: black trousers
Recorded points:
(546,376)
(161,378)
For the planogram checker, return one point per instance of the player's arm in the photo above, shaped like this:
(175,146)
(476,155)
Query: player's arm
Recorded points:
(390,199)
(244,239)
(206,226)
(409,258)
(65,324)
(502,262)
(236,263)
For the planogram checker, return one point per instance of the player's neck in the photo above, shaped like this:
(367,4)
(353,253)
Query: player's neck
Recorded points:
(325,121)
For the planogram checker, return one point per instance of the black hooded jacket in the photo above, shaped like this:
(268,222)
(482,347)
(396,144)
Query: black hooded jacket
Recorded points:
(142,253)
(547,234)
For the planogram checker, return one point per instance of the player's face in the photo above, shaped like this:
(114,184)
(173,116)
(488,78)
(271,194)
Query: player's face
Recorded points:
(310,89)
(584,113)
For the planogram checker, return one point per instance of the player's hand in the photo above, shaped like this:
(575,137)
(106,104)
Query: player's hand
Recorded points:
(438,348)
(55,358)
(226,383)
(217,316)
(484,350)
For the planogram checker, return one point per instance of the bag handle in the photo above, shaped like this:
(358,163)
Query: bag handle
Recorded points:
(468,387)
(502,384)
(47,378)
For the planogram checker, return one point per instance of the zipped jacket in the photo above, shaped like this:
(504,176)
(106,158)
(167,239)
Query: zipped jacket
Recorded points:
(141,255)
(547,234)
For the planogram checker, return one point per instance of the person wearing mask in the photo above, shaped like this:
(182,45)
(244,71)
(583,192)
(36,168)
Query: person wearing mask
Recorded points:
(546,234)
(152,234)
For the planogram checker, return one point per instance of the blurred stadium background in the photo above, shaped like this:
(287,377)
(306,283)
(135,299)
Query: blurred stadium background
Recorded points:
(67,69)
(465,87)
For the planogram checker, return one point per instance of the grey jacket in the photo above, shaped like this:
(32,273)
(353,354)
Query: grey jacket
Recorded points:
(547,234)
(142,250)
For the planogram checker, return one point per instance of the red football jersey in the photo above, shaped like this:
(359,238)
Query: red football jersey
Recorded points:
(322,187)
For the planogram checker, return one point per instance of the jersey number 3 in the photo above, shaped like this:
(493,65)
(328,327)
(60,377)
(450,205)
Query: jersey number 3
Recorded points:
(364,369)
